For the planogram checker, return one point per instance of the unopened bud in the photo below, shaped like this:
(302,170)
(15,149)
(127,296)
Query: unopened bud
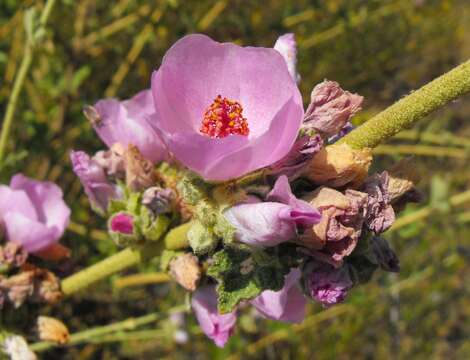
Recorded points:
(51,329)
(186,271)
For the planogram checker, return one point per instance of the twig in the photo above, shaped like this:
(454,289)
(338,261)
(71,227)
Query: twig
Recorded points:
(97,332)
(425,212)
(174,239)
(141,279)
(19,82)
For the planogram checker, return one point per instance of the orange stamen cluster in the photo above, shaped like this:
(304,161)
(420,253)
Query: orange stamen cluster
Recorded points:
(223,118)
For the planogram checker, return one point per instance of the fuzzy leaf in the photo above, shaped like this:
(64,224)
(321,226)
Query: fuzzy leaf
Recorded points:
(243,274)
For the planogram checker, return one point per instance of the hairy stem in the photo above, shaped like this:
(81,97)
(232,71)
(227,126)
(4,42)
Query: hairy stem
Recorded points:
(411,108)
(175,239)
(19,82)
(96,333)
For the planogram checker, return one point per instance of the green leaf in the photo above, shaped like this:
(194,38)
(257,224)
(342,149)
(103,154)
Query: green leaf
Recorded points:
(243,274)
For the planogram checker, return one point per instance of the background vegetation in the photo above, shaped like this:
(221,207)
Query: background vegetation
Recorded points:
(381,49)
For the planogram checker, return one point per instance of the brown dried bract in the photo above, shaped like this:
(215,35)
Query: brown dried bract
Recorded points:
(186,271)
(339,165)
(140,173)
(403,177)
(52,329)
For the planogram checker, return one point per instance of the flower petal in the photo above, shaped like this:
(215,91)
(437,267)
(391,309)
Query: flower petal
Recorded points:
(47,199)
(125,122)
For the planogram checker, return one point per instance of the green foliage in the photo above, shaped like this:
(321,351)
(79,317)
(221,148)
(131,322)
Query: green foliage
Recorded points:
(243,273)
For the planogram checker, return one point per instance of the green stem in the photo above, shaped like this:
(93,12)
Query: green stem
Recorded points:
(95,333)
(175,239)
(411,108)
(19,82)
(13,100)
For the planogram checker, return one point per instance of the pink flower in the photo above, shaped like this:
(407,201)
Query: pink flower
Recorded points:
(287,304)
(287,47)
(33,213)
(125,122)
(326,284)
(122,223)
(218,327)
(330,108)
(225,110)
(93,178)
(274,221)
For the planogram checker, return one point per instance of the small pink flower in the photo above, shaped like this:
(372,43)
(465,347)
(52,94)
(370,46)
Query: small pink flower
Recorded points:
(274,221)
(33,213)
(326,284)
(225,110)
(287,304)
(218,327)
(94,180)
(122,223)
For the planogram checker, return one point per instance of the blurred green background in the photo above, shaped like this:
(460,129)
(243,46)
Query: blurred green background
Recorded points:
(381,49)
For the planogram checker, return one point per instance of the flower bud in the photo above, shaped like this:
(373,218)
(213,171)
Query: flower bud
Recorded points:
(121,228)
(51,329)
(186,271)
(385,256)
(159,200)
(326,284)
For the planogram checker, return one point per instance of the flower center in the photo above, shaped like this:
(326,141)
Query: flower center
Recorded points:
(223,118)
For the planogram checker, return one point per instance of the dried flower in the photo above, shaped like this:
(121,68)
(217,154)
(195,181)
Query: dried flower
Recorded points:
(380,214)
(186,271)
(403,177)
(330,108)
(159,200)
(46,287)
(12,255)
(18,288)
(340,227)
(140,173)
(112,161)
(339,165)
(298,157)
